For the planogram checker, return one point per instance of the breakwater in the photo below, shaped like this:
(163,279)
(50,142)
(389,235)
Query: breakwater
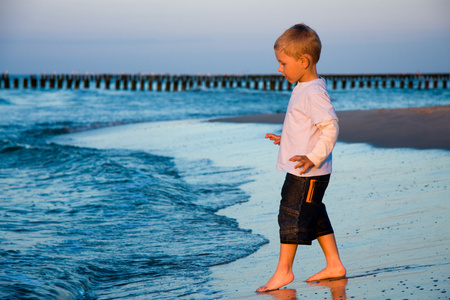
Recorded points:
(175,83)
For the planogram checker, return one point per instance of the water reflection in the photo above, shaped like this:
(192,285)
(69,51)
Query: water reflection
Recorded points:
(337,290)
(283,294)
(336,286)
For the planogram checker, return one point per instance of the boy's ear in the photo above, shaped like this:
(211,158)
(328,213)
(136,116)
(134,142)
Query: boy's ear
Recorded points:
(306,60)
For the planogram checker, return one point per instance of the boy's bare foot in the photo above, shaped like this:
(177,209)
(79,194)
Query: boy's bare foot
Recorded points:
(328,273)
(278,280)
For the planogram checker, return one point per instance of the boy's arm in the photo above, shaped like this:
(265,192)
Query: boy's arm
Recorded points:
(325,144)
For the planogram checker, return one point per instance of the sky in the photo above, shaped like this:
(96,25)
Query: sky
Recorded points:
(220,36)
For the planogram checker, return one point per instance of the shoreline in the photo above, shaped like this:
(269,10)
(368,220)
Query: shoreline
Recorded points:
(415,127)
(376,203)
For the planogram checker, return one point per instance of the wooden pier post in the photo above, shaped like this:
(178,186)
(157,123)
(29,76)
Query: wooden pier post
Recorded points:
(86,81)
(107,81)
(240,82)
(42,81)
(247,82)
(142,83)
(33,81)
(158,83)
(255,82)
(77,80)
(361,83)
(117,83)
(69,79)
(273,82)
(150,83)
(98,80)
(59,81)
(168,82)
(183,83)
(264,83)
(52,81)
(133,83)
(125,82)
(6,82)
(175,83)
(225,80)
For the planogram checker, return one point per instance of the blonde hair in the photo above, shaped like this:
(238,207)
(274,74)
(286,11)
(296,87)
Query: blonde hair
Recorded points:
(298,40)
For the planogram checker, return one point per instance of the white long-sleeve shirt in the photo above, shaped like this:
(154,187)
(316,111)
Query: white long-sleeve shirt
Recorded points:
(310,128)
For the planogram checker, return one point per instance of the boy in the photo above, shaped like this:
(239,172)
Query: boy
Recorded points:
(309,134)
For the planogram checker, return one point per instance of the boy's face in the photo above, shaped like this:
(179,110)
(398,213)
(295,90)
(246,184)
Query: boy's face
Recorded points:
(292,69)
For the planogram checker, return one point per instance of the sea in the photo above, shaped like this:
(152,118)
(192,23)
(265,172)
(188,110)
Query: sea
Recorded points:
(87,223)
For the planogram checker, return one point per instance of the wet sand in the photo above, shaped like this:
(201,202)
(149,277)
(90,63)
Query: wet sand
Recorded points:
(389,206)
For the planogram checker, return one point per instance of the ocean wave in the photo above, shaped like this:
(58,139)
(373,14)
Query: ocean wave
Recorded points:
(128,216)
(4,102)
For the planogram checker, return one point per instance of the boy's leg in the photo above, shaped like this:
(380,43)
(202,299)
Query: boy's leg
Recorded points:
(334,267)
(283,274)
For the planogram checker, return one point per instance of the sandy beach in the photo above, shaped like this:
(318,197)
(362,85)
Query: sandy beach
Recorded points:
(388,204)
(418,127)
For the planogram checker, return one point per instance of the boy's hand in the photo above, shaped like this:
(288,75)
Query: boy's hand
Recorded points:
(303,162)
(273,137)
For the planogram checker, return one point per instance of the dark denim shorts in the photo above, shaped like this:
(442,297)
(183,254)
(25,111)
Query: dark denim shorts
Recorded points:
(303,217)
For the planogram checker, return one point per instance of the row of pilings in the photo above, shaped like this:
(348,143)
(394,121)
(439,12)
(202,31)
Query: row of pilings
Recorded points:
(187,82)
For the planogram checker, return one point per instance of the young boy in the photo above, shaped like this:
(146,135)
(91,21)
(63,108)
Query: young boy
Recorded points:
(309,134)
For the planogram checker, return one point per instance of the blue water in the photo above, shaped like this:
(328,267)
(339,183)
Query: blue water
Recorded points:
(82,223)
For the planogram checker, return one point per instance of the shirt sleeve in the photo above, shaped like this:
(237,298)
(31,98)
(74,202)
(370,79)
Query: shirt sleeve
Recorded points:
(328,137)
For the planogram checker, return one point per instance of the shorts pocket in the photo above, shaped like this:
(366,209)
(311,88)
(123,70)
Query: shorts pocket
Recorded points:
(316,191)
